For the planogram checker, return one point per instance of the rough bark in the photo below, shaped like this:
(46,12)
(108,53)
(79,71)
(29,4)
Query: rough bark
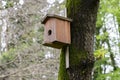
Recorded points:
(83,13)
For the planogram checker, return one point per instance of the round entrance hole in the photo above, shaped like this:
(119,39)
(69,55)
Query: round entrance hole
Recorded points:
(49,32)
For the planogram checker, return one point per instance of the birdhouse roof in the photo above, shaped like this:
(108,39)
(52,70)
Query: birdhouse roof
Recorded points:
(55,16)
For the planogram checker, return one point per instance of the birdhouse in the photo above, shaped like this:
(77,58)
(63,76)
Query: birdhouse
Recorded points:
(56,31)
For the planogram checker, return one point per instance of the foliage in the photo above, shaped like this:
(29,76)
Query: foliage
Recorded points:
(104,39)
(100,53)
(9,4)
(7,56)
(114,75)
(23,57)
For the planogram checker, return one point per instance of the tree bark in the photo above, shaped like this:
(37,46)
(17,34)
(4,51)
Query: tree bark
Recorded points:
(84,14)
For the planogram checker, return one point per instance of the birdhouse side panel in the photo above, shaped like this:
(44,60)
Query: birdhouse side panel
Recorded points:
(63,31)
(67,32)
(49,33)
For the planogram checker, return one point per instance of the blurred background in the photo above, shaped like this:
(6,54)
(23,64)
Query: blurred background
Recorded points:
(22,55)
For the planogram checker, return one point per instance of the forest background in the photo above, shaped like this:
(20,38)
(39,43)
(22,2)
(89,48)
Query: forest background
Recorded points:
(22,55)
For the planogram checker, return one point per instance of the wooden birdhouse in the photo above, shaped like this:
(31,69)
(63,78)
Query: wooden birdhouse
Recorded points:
(56,31)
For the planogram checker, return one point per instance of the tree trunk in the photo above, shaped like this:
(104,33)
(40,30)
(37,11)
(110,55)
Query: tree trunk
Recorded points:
(83,13)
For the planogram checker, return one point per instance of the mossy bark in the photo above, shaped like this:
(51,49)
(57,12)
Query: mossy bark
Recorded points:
(62,70)
(83,13)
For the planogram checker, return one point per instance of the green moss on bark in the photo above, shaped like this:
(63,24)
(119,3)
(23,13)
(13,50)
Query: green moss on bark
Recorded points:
(62,70)
(76,56)
(72,4)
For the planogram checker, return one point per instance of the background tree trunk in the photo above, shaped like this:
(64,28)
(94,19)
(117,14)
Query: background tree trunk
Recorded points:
(83,13)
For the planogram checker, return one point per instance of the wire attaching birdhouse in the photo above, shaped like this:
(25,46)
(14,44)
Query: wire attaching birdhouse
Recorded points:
(56,31)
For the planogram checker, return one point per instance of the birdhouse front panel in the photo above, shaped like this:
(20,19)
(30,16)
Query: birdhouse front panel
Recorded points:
(56,31)
(50,33)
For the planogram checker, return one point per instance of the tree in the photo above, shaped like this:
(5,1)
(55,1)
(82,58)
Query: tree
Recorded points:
(83,13)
